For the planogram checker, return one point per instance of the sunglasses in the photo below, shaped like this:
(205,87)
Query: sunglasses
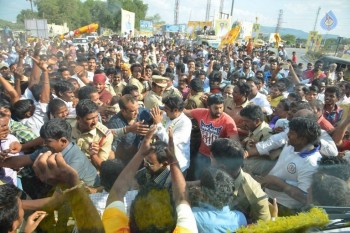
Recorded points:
(147,163)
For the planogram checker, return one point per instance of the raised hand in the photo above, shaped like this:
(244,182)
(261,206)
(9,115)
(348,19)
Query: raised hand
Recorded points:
(146,147)
(52,169)
(42,64)
(170,150)
(156,115)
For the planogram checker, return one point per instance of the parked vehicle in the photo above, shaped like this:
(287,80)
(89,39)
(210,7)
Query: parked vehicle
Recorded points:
(84,42)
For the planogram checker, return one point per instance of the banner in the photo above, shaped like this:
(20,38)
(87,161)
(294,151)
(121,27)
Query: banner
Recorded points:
(246,30)
(255,32)
(146,26)
(222,27)
(195,26)
(311,41)
(127,22)
(329,21)
(180,28)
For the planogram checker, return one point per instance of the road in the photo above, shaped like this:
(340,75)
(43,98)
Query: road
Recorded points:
(300,54)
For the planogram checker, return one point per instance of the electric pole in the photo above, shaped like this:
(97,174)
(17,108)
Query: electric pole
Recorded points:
(221,9)
(176,13)
(318,13)
(232,5)
(207,12)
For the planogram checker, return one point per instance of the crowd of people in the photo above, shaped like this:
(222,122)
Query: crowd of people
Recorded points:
(141,134)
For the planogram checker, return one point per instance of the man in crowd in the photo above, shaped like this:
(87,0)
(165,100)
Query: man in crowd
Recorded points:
(213,124)
(175,119)
(91,136)
(154,97)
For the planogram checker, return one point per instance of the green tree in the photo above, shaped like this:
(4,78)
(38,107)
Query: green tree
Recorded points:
(290,39)
(156,19)
(77,13)
(26,14)
(58,12)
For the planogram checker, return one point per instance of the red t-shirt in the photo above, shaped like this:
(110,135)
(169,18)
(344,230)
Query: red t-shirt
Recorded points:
(105,97)
(212,128)
(325,124)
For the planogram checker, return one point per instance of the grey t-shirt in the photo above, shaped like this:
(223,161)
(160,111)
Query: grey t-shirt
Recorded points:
(75,158)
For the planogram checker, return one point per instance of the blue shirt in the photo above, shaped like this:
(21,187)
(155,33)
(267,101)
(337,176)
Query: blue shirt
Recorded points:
(210,219)
(75,158)
(268,74)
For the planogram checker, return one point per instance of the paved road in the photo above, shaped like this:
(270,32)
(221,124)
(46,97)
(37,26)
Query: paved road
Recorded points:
(300,54)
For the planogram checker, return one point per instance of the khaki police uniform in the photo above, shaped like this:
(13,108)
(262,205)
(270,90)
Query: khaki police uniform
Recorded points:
(152,99)
(195,101)
(260,165)
(250,199)
(101,135)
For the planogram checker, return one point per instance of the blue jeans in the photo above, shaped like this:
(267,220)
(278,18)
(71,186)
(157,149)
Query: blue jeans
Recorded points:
(201,162)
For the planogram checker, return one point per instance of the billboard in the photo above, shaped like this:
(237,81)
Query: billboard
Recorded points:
(222,27)
(313,42)
(127,22)
(146,26)
(246,30)
(37,28)
(195,26)
(180,28)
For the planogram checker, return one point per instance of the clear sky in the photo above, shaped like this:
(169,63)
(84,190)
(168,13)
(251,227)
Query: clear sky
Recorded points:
(298,14)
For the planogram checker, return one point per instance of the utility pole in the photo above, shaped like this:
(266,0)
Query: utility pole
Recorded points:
(318,13)
(176,13)
(279,21)
(232,5)
(207,12)
(221,9)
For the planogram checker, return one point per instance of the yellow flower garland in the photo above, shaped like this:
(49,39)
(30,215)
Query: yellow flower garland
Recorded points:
(316,217)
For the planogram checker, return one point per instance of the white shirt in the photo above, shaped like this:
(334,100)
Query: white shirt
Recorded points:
(294,170)
(7,174)
(328,147)
(182,126)
(38,119)
(90,77)
(261,100)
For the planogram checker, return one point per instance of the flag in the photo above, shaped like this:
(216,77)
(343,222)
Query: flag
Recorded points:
(277,39)
(329,21)
(231,36)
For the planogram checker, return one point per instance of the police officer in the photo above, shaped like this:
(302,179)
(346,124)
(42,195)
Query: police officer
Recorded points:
(93,138)
(154,97)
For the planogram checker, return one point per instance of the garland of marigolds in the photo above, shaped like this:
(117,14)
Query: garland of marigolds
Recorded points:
(316,217)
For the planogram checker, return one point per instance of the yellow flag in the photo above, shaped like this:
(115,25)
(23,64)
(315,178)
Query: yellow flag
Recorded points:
(278,39)
(230,37)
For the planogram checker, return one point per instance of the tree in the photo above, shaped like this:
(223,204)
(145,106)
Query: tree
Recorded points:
(26,14)
(290,39)
(77,13)
(156,19)
(59,12)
